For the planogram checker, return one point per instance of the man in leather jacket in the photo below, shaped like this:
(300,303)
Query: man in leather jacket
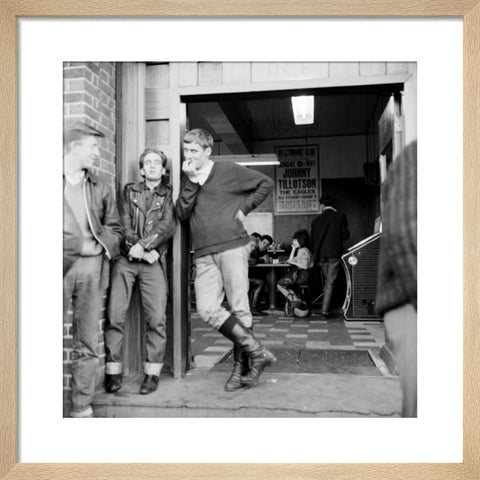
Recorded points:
(91,238)
(149,221)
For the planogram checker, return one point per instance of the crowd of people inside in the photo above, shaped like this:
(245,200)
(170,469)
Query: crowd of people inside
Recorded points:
(322,247)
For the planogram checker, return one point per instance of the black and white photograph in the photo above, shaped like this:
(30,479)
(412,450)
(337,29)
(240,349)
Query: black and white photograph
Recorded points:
(239,239)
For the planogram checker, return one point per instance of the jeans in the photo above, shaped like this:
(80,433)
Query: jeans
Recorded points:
(153,292)
(220,274)
(82,286)
(329,268)
(257,285)
(295,277)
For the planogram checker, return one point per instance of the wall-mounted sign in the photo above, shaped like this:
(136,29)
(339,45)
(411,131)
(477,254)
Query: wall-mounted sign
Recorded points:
(296,179)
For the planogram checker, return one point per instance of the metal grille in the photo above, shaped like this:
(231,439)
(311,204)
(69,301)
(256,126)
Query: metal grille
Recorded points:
(363,277)
(364,280)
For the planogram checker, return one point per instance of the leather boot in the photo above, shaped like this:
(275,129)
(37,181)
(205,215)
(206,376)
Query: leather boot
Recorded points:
(240,367)
(259,356)
(113,383)
(259,359)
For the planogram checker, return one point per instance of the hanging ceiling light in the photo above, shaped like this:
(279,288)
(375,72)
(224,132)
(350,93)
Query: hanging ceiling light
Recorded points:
(303,109)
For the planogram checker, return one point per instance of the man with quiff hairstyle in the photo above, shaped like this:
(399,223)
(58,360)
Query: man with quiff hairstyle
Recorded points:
(148,219)
(216,197)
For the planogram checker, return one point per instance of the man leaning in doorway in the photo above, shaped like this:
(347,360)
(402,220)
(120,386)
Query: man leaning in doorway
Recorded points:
(91,237)
(148,219)
(217,197)
(329,231)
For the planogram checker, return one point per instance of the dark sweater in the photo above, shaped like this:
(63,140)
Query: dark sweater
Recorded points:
(397,276)
(212,207)
(329,231)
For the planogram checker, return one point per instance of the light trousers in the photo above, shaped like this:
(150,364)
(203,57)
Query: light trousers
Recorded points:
(220,274)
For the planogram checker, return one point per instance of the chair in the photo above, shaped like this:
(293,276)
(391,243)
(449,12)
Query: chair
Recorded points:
(304,292)
(300,292)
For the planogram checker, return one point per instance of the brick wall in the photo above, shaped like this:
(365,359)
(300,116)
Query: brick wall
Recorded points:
(89,96)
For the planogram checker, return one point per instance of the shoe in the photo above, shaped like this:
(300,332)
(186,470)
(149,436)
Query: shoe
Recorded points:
(259,356)
(258,313)
(86,413)
(150,384)
(241,366)
(113,383)
(326,315)
(259,359)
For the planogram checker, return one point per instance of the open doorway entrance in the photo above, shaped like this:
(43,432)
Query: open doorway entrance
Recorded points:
(345,138)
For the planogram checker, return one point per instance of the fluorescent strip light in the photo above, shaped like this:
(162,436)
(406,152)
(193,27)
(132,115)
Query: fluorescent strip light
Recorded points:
(303,109)
(249,160)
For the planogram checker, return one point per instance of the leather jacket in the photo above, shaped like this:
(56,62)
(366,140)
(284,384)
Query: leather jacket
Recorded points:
(151,226)
(103,218)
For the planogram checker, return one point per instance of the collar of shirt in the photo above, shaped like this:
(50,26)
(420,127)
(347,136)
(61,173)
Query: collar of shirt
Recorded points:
(204,171)
(154,189)
(74,179)
(329,208)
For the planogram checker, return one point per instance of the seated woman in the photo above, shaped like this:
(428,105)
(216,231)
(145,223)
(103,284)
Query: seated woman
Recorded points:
(301,260)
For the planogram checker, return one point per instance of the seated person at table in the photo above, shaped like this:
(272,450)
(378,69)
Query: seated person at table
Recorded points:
(259,252)
(301,260)
(257,284)
(254,240)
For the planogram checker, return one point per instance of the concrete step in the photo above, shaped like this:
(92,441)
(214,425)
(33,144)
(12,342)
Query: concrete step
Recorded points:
(201,394)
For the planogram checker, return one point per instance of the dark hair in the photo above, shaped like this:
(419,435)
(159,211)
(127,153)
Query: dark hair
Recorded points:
(303,238)
(152,150)
(267,237)
(255,234)
(78,131)
(200,136)
(326,200)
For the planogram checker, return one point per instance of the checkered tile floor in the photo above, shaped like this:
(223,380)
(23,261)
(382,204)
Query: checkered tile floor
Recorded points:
(209,346)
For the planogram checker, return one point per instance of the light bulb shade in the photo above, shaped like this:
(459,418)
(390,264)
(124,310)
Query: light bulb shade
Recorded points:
(303,109)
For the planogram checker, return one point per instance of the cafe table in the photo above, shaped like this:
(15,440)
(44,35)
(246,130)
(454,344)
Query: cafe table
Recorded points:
(273,272)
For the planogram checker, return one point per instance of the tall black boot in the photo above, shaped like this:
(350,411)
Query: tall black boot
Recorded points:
(240,367)
(259,359)
(259,356)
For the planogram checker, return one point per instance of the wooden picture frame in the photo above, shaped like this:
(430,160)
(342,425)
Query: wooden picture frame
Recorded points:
(11,10)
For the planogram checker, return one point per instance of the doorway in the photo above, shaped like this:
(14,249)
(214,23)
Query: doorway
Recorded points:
(345,133)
